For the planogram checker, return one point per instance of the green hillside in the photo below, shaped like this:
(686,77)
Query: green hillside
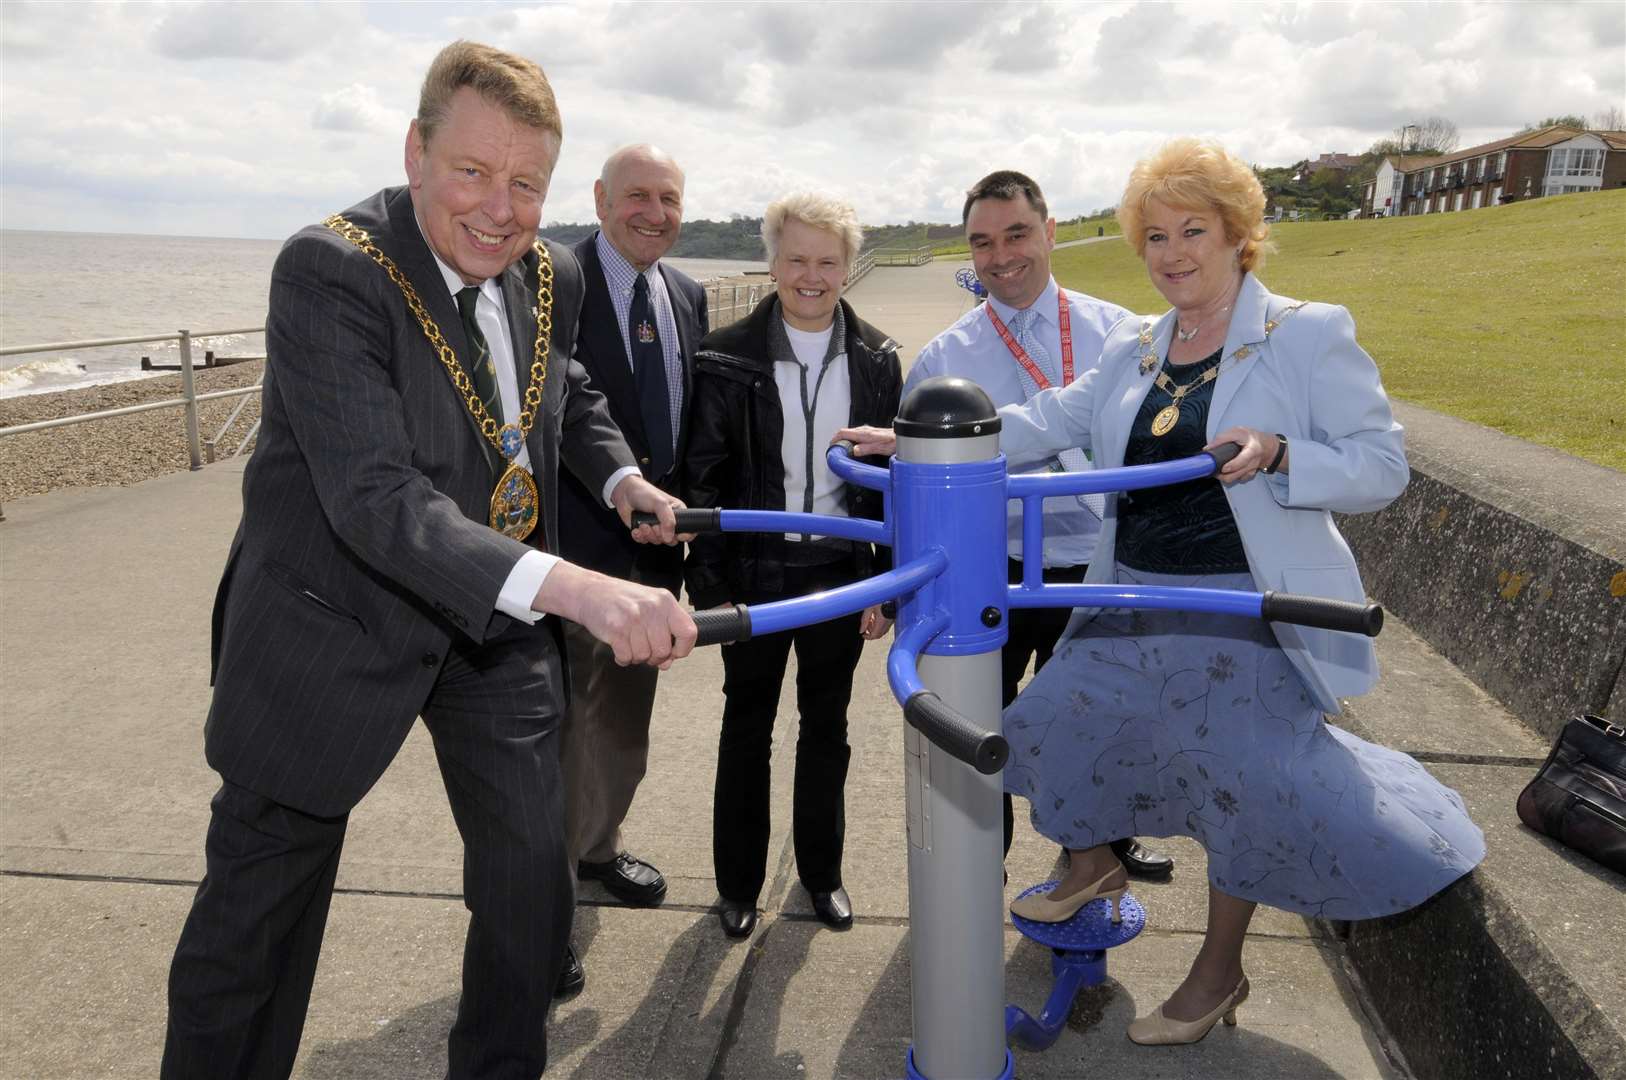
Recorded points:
(1512,317)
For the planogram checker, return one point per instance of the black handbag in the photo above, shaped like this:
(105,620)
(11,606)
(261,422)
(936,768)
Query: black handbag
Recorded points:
(1578,796)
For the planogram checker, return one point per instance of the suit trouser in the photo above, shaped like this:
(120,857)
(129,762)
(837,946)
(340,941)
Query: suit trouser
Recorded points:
(1032,635)
(603,744)
(241,979)
(753,672)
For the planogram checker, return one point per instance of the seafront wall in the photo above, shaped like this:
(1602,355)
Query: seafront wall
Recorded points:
(1510,560)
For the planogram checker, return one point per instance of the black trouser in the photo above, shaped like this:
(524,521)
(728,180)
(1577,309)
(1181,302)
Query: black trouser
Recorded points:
(1033,633)
(241,979)
(753,672)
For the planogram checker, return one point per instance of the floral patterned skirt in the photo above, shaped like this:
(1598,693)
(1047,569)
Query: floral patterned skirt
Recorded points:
(1163,723)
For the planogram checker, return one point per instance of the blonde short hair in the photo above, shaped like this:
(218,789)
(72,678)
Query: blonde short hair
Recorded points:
(512,83)
(1198,174)
(815,209)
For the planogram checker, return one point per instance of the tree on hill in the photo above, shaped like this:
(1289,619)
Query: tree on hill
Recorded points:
(1610,119)
(1429,136)
(1567,120)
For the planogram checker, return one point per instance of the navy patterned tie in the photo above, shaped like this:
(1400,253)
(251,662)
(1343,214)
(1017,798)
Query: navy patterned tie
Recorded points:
(480,366)
(649,369)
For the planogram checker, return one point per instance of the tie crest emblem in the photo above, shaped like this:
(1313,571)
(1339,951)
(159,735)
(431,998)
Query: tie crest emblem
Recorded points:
(646,332)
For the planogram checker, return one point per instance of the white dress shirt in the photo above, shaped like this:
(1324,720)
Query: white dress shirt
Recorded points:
(533,567)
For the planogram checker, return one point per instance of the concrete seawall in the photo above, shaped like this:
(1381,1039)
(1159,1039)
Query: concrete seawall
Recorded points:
(1510,559)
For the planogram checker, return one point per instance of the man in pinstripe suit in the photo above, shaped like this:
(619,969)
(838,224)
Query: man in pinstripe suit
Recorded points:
(369,583)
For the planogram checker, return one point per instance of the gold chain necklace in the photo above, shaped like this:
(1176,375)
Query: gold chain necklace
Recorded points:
(1163,422)
(515,505)
(1165,419)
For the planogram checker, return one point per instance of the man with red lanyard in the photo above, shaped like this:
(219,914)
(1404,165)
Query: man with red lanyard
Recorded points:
(1031,334)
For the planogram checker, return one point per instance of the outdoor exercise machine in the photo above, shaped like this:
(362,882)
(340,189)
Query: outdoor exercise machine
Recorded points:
(945,520)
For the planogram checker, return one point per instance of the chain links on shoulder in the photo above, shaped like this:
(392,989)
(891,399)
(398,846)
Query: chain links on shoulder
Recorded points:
(532,398)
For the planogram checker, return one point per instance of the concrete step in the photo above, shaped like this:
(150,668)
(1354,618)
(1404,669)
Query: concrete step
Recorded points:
(1516,970)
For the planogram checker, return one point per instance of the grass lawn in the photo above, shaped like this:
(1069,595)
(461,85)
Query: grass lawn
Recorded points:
(1512,317)
(1077,230)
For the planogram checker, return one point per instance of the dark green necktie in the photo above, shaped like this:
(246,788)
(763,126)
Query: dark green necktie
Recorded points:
(481,369)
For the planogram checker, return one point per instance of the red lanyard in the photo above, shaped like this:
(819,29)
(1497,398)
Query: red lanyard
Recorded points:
(1064,318)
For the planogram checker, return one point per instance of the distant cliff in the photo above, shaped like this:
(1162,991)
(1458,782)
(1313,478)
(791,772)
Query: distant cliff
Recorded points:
(741,237)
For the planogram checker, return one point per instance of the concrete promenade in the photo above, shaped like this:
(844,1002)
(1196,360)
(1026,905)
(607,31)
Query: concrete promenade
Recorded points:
(104,639)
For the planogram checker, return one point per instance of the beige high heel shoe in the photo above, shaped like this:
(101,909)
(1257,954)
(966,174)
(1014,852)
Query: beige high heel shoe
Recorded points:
(1041,908)
(1159,1030)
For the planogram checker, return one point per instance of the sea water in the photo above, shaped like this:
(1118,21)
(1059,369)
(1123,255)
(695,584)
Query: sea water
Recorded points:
(59,286)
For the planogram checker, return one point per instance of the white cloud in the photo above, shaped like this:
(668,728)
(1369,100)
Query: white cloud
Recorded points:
(238,31)
(255,118)
(357,108)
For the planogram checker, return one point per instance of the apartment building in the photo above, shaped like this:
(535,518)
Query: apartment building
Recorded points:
(1555,160)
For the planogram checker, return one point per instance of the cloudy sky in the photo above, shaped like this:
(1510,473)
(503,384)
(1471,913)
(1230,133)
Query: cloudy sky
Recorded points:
(252,119)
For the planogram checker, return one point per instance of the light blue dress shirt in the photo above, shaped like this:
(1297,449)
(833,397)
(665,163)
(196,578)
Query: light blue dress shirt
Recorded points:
(973,349)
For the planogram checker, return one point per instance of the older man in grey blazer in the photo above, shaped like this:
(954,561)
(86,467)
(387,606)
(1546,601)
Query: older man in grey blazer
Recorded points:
(394,562)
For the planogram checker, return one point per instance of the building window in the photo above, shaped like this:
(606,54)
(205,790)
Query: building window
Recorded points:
(1495,195)
(1575,161)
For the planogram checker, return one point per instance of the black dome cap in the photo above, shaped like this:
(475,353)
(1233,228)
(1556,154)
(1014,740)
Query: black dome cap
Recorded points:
(946,407)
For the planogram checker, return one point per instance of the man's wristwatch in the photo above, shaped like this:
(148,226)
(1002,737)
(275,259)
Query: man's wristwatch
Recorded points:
(1281,452)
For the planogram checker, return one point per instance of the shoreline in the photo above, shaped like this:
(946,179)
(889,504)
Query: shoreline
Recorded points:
(122,450)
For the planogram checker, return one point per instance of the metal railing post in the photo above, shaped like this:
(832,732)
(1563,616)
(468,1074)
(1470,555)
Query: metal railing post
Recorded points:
(190,394)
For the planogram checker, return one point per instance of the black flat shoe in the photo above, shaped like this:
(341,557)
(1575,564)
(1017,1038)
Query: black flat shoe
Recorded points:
(628,878)
(571,977)
(738,919)
(1141,861)
(834,909)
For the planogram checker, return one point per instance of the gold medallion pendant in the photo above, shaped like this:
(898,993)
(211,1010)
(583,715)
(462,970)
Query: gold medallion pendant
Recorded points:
(1163,422)
(514,505)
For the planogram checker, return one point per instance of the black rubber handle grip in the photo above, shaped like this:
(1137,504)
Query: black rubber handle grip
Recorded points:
(722,625)
(688,521)
(1223,453)
(984,751)
(1327,614)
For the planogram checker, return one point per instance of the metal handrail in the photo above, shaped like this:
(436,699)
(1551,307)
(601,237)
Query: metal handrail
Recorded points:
(126,410)
(97,343)
(209,445)
(189,395)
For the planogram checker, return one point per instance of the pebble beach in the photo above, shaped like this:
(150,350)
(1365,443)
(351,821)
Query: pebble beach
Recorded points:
(121,450)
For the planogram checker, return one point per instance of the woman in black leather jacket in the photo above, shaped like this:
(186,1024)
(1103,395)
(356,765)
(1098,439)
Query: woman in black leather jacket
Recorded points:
(769,392)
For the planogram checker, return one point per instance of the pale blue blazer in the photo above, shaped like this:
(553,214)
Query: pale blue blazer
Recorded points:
(1309,381)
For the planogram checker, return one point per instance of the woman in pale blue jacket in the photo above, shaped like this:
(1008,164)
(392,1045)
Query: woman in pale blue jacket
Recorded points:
(1158,723)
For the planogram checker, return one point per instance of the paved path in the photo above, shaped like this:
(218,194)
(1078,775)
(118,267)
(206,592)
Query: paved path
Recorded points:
(104,616)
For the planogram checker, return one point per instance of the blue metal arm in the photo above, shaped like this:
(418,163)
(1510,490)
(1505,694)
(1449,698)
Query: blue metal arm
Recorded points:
(852,471)
(1123,478)
(984,750)
(818,607)
(1034,488)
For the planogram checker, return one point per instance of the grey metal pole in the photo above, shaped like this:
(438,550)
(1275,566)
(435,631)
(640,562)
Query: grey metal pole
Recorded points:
(190,393)
(956,898)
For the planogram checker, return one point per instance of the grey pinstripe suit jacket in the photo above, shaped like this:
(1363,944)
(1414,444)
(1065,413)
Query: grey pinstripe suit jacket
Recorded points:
(363,550)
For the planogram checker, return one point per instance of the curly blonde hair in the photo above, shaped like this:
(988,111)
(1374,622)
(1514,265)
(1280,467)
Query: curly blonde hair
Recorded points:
(1199,174)
(821,212)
